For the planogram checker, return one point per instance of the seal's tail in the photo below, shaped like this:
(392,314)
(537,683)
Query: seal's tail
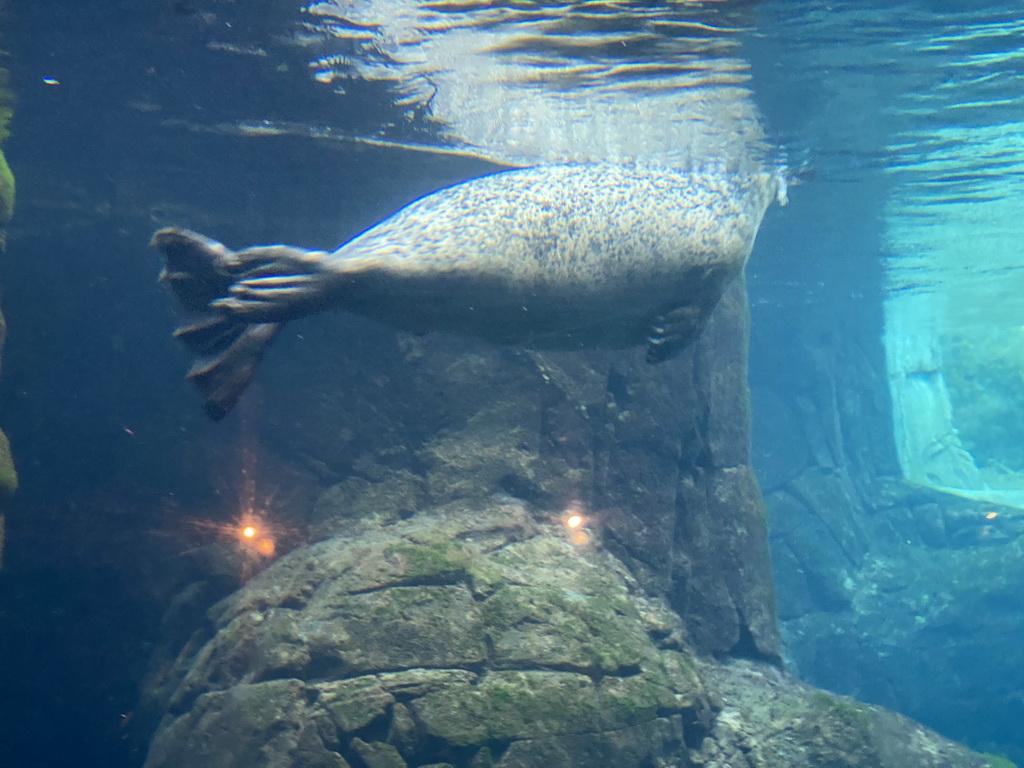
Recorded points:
(236,302)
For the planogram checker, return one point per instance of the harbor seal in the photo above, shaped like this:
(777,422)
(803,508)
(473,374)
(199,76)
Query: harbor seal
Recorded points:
(551,257)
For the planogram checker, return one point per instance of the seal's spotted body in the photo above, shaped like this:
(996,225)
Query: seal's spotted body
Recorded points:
(550,257)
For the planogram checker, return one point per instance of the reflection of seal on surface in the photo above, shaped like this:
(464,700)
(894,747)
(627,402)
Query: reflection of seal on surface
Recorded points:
(557,257)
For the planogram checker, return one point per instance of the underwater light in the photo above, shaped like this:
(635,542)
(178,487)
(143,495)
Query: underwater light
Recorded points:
(576,524)
(254,535)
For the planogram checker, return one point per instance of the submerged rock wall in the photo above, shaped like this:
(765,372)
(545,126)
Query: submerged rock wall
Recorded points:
(8,475)
(473,635)
(467,635)
(895,594)
(656,458)
(451,615)
(451,618)
(892,593)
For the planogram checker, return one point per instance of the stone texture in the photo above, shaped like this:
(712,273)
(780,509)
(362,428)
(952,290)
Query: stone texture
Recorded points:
(892,593)
(8,474)
(931,624)
(536,651)
(432,640)
(656,457)
(251,725)
(772,721)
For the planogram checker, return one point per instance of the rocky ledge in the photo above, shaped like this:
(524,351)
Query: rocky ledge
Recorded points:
(477,636)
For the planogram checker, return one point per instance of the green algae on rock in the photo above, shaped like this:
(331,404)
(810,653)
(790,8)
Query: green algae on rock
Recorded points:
(473,636)
(7,190)
(8,474)
(7,187)
(505,643)
(773,721)
(6,99)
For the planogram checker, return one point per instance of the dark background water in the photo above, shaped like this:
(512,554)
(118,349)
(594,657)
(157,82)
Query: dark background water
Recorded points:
(114,455)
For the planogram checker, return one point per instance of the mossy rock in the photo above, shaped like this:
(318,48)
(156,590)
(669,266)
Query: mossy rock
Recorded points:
(528,704)
(377,754)
(559,626)
(6,100)
(435,560)
(998,761)
(6,190)
(856,715)
(8,475)
(511,705)
(449,637)
(6,175)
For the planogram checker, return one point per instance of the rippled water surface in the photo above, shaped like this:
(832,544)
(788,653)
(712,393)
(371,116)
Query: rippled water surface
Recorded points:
(923,98)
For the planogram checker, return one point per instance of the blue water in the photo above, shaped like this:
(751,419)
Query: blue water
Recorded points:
(131,115)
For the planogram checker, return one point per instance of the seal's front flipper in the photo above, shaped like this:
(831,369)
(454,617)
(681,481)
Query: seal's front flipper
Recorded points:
(236,302)
(674,331)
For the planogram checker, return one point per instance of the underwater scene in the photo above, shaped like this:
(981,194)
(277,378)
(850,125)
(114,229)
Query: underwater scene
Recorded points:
(463,384)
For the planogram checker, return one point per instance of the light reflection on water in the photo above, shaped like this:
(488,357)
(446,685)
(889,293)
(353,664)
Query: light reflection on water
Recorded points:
(916,102)
(551,82)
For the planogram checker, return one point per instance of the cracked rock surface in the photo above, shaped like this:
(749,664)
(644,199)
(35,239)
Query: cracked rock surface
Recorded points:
(469,637)
(474,636)
(659,453)
(770,720)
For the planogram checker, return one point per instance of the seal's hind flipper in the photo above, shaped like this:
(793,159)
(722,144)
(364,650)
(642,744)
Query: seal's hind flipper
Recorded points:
(195,267)
(264,284)
(236,302)
(275,283)
(673,332)
(227,353)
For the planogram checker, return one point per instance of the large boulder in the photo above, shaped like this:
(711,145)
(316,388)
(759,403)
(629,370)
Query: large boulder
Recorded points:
(770,720)
(472,635)
(657,457)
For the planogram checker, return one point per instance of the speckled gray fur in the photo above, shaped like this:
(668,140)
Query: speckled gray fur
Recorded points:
(558,256)
(552,257)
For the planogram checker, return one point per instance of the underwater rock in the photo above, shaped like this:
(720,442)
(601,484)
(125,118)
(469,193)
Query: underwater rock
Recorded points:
(933,619)
(437,639)
(266,723)
(8,475)
(448,619)
(7,191)
(770,720)
(7,187)
(473,636)
(655,457)
(890,592)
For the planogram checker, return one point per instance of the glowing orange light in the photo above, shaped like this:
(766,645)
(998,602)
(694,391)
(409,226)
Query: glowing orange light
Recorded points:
(251,537)
(266,547)
(991,515)
(579,538)
(574,521)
